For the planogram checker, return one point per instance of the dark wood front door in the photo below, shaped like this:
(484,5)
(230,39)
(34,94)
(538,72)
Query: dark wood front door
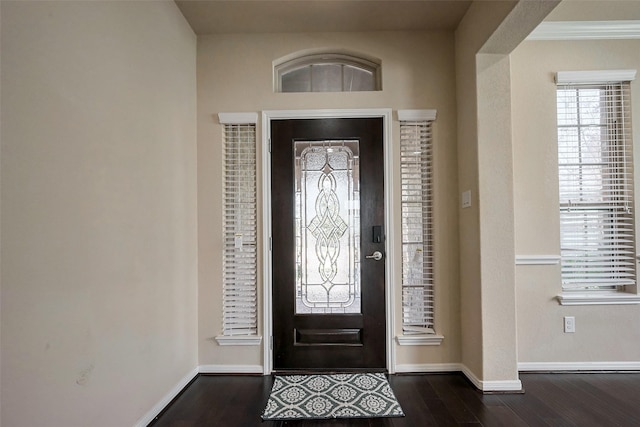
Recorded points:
(327,217)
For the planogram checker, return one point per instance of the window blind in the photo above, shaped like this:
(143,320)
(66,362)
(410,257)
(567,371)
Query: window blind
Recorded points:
(417,227)
(596,186)
(239,222)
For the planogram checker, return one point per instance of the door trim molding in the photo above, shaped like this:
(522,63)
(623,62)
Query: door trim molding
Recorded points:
(267,116)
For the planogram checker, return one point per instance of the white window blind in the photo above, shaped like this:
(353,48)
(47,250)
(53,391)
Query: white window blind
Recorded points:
(239,222)
(596,186)
(417,223)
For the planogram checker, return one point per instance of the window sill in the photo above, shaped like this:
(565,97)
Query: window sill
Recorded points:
(427,339)
(613,298)
(239,340)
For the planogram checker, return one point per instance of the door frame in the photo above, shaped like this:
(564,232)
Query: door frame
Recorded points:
(267,297)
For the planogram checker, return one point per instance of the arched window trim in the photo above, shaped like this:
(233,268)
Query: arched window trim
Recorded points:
(289,64)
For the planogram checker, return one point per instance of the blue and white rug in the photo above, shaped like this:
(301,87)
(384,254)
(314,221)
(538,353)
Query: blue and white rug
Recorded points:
(331,396)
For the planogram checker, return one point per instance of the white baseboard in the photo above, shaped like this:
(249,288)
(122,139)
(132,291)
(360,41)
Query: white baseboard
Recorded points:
(578,366)
(158,407)
(511,385)
(231,369)
(506,386)
(429,367)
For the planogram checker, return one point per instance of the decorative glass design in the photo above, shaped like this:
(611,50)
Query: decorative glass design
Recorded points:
(327,227)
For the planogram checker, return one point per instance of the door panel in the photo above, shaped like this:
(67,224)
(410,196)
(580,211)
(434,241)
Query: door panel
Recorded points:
(327,214)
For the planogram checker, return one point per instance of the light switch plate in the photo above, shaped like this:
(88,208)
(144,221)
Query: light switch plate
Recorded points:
(466,199)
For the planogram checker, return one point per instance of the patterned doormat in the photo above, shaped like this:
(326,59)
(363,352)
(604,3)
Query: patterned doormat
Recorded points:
(331,396)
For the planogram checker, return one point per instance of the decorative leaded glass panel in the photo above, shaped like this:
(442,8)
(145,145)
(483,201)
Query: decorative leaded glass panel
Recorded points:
(327,227)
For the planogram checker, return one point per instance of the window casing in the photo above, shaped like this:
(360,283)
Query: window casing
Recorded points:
(416,171)
(595,165)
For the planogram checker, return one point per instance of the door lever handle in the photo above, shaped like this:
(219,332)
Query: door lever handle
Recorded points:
(377,255)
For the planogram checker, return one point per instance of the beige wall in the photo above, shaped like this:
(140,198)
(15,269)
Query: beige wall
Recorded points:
(606,333)
(99,273)
(487,34)
(235,75)
(477,26)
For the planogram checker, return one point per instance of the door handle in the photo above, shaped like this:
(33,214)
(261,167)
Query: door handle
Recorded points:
(377,255)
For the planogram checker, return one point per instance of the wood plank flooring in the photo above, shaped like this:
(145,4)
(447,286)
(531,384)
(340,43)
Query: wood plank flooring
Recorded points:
(568,399)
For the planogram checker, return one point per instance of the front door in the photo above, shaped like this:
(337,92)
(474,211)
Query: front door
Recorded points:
(328,244)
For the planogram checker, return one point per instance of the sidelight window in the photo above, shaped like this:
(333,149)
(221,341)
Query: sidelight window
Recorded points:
(416,169)
(239,218)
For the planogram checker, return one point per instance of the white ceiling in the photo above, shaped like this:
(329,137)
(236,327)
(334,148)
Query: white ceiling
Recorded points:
(270,16)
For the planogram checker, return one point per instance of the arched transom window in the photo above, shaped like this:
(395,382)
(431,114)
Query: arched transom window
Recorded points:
(327,72)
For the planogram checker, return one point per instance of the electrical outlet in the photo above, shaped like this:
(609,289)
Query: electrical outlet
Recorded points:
(569,324)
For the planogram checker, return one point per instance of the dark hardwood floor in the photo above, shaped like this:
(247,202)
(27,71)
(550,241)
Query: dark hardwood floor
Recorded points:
(568,399)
